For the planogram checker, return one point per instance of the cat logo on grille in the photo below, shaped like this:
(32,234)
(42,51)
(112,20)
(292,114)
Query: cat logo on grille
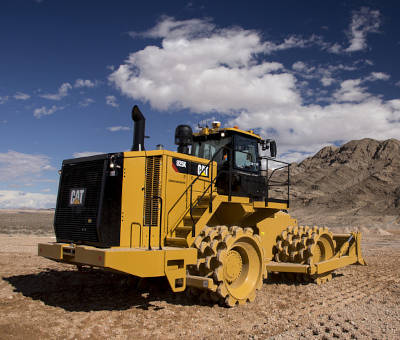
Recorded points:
(77,197)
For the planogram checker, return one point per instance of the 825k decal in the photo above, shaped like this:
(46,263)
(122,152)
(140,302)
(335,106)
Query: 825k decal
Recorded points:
(186,167)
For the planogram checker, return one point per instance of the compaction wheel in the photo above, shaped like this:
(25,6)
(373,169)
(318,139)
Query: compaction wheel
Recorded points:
(306,245)
(234,259)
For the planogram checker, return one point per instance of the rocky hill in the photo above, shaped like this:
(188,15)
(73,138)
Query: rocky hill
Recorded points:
(360,178)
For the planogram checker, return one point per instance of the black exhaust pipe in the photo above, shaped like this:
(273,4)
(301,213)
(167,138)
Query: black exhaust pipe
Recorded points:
(139,127)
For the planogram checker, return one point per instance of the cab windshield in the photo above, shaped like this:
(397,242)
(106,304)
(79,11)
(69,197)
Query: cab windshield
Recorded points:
(207,149)
(246,154)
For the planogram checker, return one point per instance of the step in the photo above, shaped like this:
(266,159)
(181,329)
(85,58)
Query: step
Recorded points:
(187,221)
(208,196)
(176,241)
(206,200)
(199,208)
(196,214)
(183,229)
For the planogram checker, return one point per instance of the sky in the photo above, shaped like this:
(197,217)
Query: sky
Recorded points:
(305,73)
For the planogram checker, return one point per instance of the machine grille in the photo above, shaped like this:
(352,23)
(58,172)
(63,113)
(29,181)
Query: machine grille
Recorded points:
(152,189)
(79,223)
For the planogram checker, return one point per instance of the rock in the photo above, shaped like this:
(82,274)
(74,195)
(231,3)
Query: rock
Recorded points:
(360,178)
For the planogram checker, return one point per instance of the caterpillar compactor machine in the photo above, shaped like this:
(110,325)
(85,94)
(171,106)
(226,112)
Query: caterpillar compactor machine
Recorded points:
(210,217)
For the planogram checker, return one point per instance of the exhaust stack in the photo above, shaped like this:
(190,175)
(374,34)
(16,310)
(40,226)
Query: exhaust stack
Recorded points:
(139,127)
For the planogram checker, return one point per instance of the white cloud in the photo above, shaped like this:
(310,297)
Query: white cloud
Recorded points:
(309,128)
(84,83)
(324,73)
(299,66)
(378,76)
(363,22)
(335,48)
(112,101)
(229,71)
(21,96)
(3,99)
(46,180)
(206,73)
(293,42)
(351,91)
(169,27)
(303,68)
(327,80)
(62,92)
(86,102)
(394,104)
(118,128)
(110,67)
(86,154)
(13,199)
(22,167)
(398,83)
(294,156)
(44,111)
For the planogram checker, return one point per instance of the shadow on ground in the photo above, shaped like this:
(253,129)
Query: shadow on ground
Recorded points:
(95,290)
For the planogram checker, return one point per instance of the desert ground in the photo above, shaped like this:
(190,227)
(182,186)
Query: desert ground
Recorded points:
(43,299)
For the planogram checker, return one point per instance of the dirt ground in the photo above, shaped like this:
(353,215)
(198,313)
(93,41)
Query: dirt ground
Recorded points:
(32,222)
(43,299)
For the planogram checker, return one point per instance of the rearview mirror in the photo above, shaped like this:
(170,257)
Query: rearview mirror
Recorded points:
(264,144)
(272,148)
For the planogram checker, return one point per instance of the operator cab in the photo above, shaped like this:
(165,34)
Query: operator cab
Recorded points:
(244,149)
(237,155)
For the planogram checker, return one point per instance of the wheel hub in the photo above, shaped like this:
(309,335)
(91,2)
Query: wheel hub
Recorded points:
(233,266)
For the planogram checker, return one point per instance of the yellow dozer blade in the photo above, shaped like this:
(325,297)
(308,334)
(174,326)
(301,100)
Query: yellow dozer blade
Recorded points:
(327,254)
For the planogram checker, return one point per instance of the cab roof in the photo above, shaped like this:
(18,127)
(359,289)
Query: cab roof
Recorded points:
(234,130)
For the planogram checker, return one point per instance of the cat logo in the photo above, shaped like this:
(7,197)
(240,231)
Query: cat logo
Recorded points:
(77,196)
(202,170)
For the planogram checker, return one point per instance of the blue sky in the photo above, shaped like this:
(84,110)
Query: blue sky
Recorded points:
(307,73)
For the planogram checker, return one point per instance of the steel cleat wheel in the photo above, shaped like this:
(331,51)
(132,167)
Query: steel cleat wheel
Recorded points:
(234,260)
(305,245)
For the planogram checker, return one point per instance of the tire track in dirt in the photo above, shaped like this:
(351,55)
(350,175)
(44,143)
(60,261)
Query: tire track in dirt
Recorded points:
(54,301)
(343,294)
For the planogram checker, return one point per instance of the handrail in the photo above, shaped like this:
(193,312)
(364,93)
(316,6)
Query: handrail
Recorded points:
(274,183)
(190,186)
(210,186)
(197,177)
(198,200)
(274,160)
(140,237)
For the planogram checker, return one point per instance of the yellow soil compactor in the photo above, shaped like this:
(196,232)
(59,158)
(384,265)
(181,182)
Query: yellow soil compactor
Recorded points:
(206,217)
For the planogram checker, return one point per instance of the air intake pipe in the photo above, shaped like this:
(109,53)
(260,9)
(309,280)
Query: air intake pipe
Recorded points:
(183,138)
(139,127)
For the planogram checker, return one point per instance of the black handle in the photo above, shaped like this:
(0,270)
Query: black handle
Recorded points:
(160,199)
